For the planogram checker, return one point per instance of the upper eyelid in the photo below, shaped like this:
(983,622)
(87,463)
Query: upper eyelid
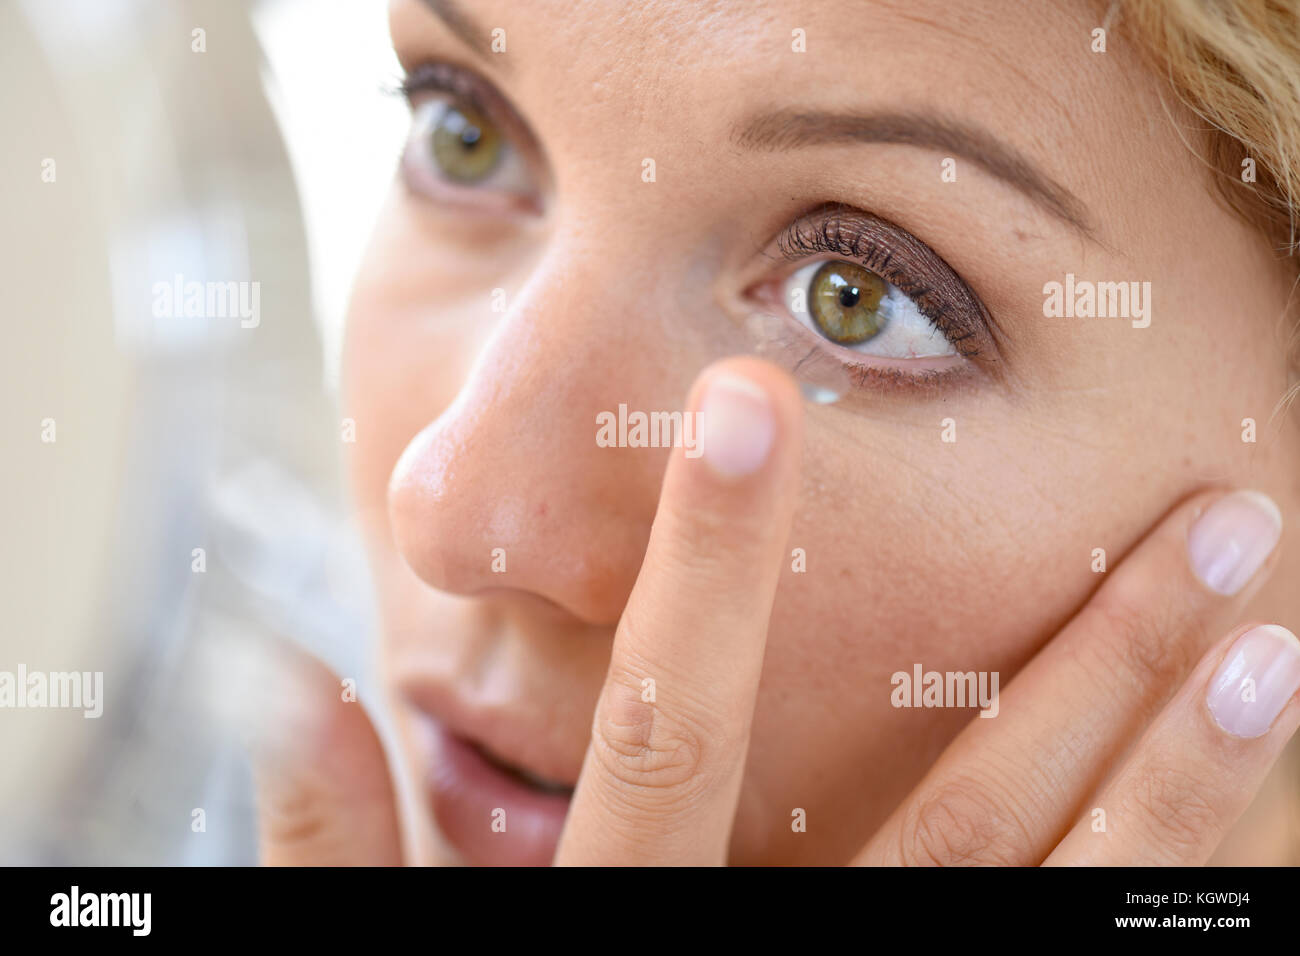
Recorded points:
(851,233)
(852,226)
(790,128)
(434,76)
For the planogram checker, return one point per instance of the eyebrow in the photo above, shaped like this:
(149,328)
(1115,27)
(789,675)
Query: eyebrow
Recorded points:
(462,25)
(792,129)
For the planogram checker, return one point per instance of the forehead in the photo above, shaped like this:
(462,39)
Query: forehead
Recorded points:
(1023,64)
(598,81)
(682,41)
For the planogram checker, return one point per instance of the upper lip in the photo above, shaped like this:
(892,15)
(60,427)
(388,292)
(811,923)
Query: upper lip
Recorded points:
(510,737)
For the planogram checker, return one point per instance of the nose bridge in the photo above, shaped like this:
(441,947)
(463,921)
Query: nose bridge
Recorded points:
(585,332)
(508,487)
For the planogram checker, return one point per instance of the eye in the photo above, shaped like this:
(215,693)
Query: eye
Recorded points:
(865,304)
(465,144)
(453,149)
(457,152)
(857,309)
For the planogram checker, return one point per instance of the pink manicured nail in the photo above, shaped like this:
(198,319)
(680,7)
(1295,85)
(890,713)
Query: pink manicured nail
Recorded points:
(1255,681)
(736,425)
(1233,539)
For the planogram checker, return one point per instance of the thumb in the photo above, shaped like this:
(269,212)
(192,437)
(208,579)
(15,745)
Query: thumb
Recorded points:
(324,793)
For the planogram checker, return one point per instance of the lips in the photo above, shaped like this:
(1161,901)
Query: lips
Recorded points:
(496,811)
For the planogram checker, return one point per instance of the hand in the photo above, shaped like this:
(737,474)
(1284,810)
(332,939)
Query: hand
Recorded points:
(1149,662)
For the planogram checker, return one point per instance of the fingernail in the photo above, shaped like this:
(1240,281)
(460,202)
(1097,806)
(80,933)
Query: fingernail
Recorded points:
(737,427)
(1232,540)
(1255,681)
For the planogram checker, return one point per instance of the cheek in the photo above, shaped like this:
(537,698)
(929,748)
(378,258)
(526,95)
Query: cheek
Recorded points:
(959,557)
(920,546)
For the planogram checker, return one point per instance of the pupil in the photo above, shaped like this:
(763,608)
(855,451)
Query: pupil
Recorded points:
(470,136)
(849,296)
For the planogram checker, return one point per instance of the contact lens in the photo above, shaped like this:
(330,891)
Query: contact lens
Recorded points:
(766,330)
(821,378)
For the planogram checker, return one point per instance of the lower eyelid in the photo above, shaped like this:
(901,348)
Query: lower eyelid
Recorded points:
(922,382)
(419,172)
(814,359)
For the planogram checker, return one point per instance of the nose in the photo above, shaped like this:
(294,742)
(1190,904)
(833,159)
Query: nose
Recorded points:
(507,487)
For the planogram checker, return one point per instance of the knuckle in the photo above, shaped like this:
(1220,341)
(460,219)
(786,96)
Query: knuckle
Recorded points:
(1176,807)
(711,546)
(652,756)
(298,818)
(1150,636)
(699,564)
(965,822)
(696,530)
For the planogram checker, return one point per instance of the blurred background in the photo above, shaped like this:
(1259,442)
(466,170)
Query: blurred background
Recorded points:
(171,481)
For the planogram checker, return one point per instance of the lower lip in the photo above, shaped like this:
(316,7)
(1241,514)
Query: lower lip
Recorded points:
(491,818)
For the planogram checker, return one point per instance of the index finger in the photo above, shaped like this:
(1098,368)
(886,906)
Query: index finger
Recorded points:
(662,773)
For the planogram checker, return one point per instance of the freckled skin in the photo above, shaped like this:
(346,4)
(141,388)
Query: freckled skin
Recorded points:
(960,556)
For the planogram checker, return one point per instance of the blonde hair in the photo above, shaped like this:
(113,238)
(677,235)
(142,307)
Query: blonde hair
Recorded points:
(1236,64)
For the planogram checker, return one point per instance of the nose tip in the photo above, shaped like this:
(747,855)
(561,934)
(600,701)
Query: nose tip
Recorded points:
(416,490)
(471,511)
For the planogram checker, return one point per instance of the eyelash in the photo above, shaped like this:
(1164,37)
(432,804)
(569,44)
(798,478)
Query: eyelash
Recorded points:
(854,235)
(441,78)
(845,232)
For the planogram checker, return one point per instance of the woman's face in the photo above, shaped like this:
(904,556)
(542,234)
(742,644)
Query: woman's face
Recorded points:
(526,278)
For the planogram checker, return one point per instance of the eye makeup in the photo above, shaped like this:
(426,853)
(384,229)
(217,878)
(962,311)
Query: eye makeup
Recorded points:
(900,259)
(882,268)
(430,77)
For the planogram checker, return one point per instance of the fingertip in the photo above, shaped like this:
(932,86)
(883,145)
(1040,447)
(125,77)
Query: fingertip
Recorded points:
(750,413)
(1255,681)
(1233,539)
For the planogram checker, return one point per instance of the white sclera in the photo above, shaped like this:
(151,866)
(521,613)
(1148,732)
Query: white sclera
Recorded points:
(908,332)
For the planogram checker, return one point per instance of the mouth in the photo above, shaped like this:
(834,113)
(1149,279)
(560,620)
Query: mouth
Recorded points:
(495,811)
(522,774)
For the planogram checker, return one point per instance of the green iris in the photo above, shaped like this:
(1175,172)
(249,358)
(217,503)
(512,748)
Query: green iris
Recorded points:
(466,146)
(844,300)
